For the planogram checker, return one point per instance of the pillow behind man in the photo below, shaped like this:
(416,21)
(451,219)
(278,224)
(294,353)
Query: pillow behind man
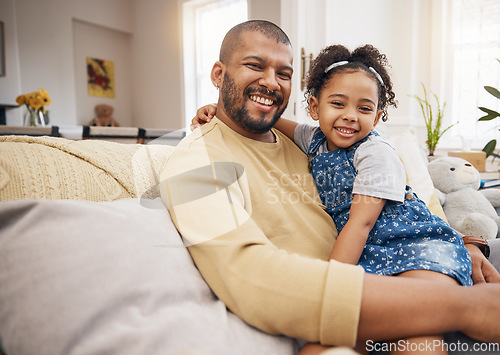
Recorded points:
(85,277)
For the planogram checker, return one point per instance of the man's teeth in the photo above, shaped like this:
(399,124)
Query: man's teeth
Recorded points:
(345,130)
(261,100)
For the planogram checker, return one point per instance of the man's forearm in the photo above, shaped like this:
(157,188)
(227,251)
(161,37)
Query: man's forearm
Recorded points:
(397,307)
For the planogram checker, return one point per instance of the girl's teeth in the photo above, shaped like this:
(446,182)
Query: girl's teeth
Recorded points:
(344,131)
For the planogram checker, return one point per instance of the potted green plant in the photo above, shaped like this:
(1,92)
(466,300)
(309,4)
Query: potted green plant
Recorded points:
(433,120)
(490,147)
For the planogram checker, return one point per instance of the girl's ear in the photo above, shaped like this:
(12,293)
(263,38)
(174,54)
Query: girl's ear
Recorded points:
(217,73)
(313,107)
(377,118)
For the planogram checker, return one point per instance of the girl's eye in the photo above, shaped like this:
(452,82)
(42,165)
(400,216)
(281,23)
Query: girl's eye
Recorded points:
(366,109)
(337,103)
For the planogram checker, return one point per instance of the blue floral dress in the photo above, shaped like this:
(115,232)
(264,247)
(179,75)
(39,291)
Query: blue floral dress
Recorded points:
(406,236)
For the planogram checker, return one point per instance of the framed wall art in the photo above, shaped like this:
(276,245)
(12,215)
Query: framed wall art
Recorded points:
(100,77)
(2,50)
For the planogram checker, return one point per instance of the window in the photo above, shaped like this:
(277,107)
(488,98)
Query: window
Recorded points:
(474,46)
(205,22)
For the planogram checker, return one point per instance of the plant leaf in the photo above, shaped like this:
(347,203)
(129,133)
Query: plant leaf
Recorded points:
(490,114)
(493,91)
(488,111)
(489,148)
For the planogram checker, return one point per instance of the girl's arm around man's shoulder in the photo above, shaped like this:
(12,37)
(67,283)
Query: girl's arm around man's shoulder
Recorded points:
(287,127)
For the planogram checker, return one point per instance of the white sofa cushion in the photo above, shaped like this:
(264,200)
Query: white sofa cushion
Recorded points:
(85,277)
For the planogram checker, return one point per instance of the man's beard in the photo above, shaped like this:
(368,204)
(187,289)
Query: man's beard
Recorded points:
(239,114)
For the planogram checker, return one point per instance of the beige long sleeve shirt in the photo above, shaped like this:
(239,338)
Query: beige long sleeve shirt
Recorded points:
(251,217)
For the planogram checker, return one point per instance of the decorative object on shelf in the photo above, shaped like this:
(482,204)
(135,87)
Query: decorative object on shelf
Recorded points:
(103,116)
(433,120)
(490,147)
(35,102)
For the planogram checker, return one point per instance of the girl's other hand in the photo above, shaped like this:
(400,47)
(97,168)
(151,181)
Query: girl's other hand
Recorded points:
(203,115)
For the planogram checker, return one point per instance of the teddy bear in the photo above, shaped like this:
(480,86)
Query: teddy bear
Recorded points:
(468,210)
(103,113)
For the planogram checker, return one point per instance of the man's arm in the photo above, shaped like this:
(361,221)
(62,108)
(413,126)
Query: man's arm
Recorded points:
(398,307)
(482,270)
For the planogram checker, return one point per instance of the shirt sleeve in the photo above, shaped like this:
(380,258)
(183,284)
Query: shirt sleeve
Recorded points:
(380,172)
(303,135)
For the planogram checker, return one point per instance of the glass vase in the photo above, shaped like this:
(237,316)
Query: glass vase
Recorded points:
(35,118)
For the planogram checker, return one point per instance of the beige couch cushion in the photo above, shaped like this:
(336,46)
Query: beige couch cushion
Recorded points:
(58,168)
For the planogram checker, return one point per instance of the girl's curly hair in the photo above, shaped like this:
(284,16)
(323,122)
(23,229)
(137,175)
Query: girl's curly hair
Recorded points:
(362,58)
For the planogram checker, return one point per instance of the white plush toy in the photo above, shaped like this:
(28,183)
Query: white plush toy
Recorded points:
(468,210)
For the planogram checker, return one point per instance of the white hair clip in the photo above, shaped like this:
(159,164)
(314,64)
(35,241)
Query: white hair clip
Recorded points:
(337,64)
(344,62)
(377,75)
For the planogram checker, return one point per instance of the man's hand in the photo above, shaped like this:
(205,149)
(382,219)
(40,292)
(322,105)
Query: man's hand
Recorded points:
(482,270)
(203,115)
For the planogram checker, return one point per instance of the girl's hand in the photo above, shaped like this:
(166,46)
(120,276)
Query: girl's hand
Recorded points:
(203,115)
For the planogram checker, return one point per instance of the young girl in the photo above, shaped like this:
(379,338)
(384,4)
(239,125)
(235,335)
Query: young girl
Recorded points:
(382,224)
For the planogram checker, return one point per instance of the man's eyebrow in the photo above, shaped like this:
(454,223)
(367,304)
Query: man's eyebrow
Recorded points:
(253,57)
(259,59)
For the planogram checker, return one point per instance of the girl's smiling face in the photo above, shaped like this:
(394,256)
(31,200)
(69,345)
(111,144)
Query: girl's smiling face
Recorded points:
(347,108)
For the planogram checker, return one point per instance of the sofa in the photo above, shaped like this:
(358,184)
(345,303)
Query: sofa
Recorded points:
(90,262)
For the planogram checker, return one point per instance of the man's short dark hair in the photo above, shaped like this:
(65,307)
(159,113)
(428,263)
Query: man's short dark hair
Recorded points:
(232,40)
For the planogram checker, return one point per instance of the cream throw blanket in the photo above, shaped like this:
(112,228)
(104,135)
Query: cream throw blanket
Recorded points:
(58,168)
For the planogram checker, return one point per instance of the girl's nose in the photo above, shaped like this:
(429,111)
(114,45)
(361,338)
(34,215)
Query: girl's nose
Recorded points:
(350,117)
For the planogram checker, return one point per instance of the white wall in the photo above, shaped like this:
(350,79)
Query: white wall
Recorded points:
(10,84)
(101,42)
(40,53)
(40,50)
(265,10)
(156,59)
(41,34)
(402,29)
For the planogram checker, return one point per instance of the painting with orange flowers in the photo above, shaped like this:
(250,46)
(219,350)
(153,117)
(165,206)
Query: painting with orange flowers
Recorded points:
(100,77)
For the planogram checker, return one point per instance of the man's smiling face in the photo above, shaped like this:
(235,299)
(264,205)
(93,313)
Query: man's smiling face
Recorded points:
(256,83)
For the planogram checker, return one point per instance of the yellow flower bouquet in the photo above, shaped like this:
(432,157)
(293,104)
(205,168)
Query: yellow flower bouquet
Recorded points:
(35,103)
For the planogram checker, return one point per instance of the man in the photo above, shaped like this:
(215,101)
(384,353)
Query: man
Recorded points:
(242,198)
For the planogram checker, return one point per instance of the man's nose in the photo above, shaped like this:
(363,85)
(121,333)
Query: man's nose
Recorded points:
(269,80)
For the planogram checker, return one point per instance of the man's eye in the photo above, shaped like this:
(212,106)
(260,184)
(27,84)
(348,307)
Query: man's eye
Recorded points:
(285,76)
(253,66)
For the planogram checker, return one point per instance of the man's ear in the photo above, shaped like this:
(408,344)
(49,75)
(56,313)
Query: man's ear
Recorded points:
(217,73)
(313,108)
